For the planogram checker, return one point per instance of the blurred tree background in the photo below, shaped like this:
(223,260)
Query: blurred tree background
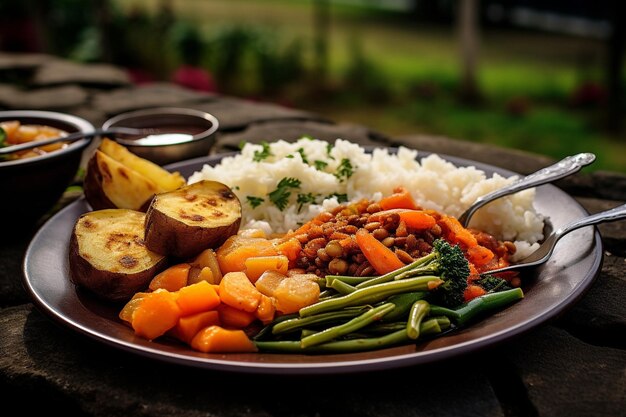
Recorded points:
(544,76)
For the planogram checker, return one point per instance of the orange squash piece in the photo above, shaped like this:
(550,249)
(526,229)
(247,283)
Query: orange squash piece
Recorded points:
(256,266)
(291,248)
(233,318)
(172,279)
(266,310)
(215,339)
(187,327)
(155,314)
(237,291)
(479,255)
(232,255)
(196,298)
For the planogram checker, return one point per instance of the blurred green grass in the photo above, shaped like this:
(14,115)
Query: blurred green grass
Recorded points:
(410,74)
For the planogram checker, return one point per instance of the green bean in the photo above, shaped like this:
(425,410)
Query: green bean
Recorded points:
(419,310)
(430,326)
(296,322)
(356,323)
(347,279)
(479,305)
(400,273)
(372,294)
(341,287)
(403,304)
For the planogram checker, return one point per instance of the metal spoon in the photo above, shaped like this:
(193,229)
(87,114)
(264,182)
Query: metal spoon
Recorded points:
(546,249)
(561,169)
(73,137)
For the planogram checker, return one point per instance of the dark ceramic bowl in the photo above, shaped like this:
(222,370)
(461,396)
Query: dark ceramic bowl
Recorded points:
(180,133)
(30,187)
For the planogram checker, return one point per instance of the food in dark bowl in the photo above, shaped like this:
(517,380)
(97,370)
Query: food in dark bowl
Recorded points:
(179,133)
(33,181)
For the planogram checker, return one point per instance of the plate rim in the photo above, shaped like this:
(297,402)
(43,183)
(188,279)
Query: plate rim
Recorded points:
(316,368)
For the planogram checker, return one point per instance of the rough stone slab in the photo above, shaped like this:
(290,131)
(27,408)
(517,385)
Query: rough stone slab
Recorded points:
(152,95)
(20,61)
(65,72)
(600,316)
(52,98)
(83,376)
(237,114)
(565,377)
(11,289)
(293,130)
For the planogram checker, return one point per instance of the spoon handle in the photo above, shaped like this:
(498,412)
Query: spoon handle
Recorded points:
(543,253)
(561,169)
(614,214)
(72,137)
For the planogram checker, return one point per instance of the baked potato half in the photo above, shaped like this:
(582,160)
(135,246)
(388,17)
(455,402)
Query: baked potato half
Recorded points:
(184,222)
(108,256)
(117,178)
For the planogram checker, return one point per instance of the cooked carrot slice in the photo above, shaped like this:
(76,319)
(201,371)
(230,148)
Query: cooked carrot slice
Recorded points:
(454,232)
(400,199)
(479,255)
(381,258)
(417,219)
(473,291)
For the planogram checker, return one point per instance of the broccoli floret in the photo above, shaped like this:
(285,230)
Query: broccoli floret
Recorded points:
(491,283)
(447,262)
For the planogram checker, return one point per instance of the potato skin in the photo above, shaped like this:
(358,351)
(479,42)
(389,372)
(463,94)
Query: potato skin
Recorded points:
(117,178)
(92,187)
(106,284)
(174,231)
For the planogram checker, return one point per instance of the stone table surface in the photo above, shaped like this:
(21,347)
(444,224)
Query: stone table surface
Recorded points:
(572,365)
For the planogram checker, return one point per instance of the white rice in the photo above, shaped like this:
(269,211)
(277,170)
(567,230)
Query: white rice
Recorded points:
(434,183)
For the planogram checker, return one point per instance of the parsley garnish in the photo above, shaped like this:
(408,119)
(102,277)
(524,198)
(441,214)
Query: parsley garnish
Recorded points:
(254,201)
(329,148)
(341,198)
(320,165)
(262,154)
(241,144)
(280,196)
(301,152)
(344,170)
(305,199)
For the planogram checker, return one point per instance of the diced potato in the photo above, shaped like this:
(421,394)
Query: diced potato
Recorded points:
(268,282)
(295,292)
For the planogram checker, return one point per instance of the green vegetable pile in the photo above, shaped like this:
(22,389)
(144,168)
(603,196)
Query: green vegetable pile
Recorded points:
(420,300)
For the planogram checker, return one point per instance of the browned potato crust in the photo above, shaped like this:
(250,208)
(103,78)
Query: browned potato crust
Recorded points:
(116,178)
(108,256)
(184,222)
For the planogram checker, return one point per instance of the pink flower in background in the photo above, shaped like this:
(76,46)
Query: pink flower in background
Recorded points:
(194,78)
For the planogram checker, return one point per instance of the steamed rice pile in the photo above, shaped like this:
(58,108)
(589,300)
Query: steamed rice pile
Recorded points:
(326,175)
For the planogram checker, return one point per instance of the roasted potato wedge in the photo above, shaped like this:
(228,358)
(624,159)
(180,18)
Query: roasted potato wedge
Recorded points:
(184,222)
(117,178)
(108,256)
